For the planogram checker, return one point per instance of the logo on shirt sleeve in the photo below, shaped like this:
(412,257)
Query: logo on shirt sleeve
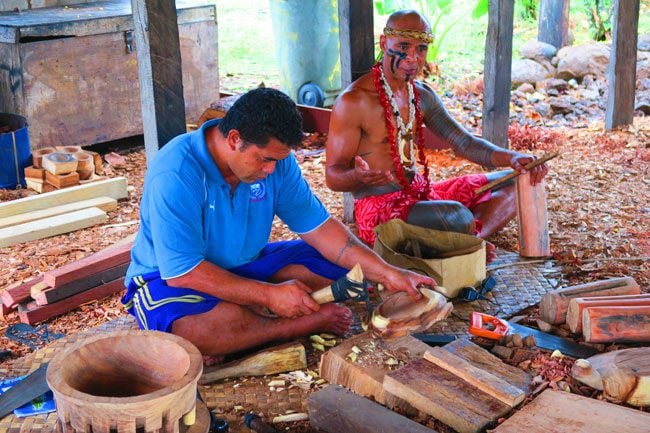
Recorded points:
(258,191)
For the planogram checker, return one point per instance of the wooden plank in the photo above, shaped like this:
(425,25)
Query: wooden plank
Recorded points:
(484,360)
(114,188)
(444,396)
(616,324)
(159,72)
(272,360)
(577,305)
(55,294)
(553,22)
(555,303)
(356,39)
(106,204)
(11,83)
(335,409)
(32,313)
(52,226)
(15,295)
(481,379)
(366,379)
(315,119)
(621,74)
(558,411)
(101,260)
(498,62)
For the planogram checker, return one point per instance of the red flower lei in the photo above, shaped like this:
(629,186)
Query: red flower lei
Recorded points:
(392,138)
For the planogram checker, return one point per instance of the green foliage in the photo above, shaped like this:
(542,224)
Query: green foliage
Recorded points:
(600,14)
(527,9)
(434,10)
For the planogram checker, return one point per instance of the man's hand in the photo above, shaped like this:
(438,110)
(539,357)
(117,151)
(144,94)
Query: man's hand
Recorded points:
(291,299)
(401,280)
(370,177)
(519,161)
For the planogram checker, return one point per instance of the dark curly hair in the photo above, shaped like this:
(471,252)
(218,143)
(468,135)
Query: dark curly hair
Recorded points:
(262,114)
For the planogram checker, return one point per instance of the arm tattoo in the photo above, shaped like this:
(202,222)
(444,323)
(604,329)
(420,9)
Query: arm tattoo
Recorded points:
(461,141)
(349,243)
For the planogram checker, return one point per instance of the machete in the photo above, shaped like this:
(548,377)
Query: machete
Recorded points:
(31,387)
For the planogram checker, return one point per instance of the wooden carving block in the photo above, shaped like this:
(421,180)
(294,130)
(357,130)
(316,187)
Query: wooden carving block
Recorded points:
(446,397)
(62,180)
(35,173)
(38,154)
(558,411)
(59,163)
(89,265)
(554,304)
(577,305)
(477,377)
(364,378)
(15,295)
(335,410)
(40,186)
(278,359)
(32,313)
(616,324)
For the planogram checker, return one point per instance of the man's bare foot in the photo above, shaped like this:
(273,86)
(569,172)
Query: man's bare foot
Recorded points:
(490,252)
(330,318)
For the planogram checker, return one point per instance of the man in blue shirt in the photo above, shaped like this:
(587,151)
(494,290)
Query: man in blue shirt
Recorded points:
(202,267)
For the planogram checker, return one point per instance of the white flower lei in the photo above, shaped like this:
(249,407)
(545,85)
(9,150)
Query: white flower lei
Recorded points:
(404,132)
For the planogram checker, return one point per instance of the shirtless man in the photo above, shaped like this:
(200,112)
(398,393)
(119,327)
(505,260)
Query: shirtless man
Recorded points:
(375,144)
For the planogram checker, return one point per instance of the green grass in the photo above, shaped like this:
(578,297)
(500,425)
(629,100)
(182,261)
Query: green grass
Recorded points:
(247,49)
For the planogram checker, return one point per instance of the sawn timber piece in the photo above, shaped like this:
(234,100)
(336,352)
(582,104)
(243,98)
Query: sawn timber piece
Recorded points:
(484,360)
(483,380)
(559,411)
(443,395)
(335,409)
(367,380)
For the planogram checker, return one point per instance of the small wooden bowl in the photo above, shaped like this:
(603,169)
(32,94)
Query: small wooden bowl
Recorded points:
(125,381)
(400,313)
(85,164)
(38,154)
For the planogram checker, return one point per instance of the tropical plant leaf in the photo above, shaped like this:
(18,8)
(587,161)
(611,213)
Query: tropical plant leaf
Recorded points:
(480,9)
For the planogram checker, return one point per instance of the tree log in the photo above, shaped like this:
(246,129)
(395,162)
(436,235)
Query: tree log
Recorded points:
(554,304)
(576,305)
(616,324)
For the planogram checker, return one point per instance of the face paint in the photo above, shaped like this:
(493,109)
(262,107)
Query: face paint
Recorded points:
(393,55)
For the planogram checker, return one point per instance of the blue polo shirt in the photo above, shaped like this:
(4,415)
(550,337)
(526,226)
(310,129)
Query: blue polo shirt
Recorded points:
(187,213)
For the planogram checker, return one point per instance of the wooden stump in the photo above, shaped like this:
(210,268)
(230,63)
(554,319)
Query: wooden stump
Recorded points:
(125,382)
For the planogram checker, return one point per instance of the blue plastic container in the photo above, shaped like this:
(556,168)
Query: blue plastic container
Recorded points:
(15,153)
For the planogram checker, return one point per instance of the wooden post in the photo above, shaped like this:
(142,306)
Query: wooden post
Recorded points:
(356,39)
(532,218)
(622,65)
(357,57)
(498,62)
(159,70)
(553,22)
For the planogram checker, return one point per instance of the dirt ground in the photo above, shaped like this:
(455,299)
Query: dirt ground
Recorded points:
(598,203)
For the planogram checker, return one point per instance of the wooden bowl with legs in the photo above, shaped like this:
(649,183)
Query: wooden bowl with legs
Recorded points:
(126,381)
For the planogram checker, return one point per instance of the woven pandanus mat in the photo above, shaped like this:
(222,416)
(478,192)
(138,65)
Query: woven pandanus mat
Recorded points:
(520,283)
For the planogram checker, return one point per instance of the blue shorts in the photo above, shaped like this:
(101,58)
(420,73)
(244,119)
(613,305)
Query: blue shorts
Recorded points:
(156,305)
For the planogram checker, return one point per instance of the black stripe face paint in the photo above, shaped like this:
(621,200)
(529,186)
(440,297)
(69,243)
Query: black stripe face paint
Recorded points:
(399,55)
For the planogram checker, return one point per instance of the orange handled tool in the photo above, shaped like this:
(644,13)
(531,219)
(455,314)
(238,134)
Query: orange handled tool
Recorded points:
(484,325)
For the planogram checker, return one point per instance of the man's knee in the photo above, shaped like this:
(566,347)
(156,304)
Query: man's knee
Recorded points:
(444,215)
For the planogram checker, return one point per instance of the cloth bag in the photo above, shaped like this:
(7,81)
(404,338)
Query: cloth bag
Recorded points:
(454,260)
